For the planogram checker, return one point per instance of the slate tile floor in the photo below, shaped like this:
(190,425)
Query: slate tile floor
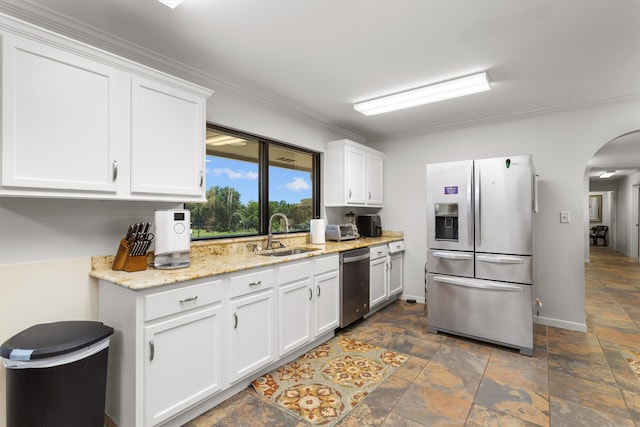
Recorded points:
(573,378)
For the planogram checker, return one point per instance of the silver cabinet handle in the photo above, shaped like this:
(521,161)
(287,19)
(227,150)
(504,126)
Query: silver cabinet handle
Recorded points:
(258,283)
(193,298)
(115,170)
(201,178)
(369,195)
(318,293)
(235,320)
(349,193)
(310,294)
(152,350)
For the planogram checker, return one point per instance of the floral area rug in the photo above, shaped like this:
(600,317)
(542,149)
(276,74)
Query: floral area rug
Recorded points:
(323,385)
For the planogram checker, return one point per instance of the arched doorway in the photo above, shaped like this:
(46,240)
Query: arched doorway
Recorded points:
(614,179)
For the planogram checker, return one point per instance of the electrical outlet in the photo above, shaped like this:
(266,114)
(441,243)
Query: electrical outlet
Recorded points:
(565,217)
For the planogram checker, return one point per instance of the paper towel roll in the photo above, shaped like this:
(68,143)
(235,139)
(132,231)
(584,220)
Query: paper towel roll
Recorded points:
(317,231)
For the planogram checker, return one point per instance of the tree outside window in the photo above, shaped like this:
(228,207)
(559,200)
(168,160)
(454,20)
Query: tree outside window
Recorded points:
(237,165)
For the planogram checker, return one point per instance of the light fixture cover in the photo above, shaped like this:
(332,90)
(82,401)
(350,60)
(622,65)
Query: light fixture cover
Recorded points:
(171,3)
(427,94)
(607,174)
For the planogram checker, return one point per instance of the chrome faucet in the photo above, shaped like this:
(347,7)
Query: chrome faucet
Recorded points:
(270,240)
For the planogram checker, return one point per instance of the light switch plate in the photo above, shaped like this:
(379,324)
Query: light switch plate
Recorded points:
(565,217)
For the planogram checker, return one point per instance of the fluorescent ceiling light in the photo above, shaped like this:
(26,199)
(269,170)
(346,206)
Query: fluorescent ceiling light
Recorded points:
(607,174)
(226,140)
(425,95)
(171,3)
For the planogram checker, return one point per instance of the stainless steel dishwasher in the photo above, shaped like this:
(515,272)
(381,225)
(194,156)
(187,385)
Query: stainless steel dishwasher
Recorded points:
(354,285)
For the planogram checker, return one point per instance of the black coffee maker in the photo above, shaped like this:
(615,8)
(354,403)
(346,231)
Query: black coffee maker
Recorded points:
(369,225)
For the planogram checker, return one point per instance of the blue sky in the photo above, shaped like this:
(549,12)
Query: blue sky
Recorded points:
(285,184)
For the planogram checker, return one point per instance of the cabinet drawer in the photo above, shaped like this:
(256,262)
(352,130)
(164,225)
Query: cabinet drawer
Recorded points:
(176,300)
(296,271)
(326,263)
(456,263)
(246,283)
(507,268)
(378,251)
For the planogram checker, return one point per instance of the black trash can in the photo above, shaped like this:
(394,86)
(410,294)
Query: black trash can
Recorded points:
(57,374)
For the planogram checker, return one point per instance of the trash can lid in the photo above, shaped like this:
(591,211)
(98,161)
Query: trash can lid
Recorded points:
(52,339)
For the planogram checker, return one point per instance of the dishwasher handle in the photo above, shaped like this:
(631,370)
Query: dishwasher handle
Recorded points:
(348,259)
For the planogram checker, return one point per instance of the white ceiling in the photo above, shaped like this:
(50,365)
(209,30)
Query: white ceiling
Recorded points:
(318,57)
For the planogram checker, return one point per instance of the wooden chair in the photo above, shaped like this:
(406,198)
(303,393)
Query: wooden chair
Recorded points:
(599,233)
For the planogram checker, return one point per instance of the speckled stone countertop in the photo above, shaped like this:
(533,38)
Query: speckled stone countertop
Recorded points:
(211,258)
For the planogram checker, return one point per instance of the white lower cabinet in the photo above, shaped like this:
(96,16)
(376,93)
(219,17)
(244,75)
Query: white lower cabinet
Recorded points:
(386,274)
(378,275)
(396,279)
(326,295)
(252,322)
(167,351)
(308,301)
(182,362)
(182,348)
(295,298)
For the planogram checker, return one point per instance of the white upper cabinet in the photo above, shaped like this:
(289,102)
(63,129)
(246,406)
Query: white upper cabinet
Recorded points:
(353,175)
(58,112)
(81,123)
(167,146)
(374,179)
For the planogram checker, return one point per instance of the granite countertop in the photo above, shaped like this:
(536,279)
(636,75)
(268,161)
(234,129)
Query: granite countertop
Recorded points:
(211,258)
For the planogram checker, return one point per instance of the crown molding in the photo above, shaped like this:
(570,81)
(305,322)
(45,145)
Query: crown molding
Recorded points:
(40,16)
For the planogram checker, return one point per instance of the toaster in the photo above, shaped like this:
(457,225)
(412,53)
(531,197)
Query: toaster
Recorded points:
(338,233)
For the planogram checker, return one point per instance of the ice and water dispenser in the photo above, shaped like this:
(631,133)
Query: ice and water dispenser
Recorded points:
(446,221)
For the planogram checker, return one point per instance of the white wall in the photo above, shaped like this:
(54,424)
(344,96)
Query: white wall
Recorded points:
(561,144)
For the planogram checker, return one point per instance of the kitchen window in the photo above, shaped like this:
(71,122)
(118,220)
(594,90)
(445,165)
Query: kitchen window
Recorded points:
(249,178)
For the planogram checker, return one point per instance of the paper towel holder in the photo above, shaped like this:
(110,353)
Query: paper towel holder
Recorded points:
(317,231)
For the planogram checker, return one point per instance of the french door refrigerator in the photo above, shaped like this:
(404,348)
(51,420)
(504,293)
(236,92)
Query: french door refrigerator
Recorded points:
(480,218)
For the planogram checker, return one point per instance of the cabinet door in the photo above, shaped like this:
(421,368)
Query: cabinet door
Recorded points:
(395,274)
(167,147)
(294,310)
(355,176)
(252,337)
(59,120)
(378,281)
(182,362)
(374,179)
(327,302)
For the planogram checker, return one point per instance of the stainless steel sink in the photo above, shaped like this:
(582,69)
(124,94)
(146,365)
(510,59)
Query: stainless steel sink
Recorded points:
(286,252)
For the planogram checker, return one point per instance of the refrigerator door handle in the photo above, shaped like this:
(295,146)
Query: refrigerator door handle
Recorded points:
(478,284)
(470,205)
(500,259)
(456,256)
(478,210)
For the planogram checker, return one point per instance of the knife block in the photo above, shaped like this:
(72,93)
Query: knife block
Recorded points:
(124,261)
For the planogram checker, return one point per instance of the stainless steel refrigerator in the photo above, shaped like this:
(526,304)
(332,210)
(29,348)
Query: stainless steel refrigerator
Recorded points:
(480,219)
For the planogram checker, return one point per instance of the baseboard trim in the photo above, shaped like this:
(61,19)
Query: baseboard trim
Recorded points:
(564,324)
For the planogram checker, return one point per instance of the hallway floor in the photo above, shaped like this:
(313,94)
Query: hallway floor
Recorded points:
(573,378)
